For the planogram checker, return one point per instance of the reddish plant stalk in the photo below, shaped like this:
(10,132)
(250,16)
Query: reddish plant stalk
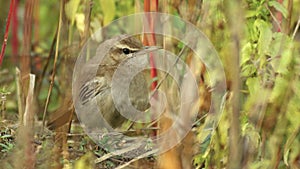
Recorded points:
(11,7)
(150,40)
(279,17)
(146,9)
(153,7)
(14,38)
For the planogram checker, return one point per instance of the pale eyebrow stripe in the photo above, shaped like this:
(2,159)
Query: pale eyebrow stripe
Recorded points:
(121,46)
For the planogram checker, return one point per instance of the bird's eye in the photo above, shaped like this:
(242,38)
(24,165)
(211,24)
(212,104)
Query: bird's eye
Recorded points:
(126,51)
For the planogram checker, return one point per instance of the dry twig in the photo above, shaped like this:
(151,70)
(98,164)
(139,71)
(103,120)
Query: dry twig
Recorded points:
(54,64)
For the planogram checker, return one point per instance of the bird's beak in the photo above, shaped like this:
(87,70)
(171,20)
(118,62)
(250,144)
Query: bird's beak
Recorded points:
(148,49)
(152,48)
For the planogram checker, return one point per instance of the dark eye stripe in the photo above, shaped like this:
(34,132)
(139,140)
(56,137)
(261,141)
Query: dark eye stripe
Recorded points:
(127,51)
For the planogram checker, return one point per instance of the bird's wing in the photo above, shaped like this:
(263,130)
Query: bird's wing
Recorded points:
(92,88)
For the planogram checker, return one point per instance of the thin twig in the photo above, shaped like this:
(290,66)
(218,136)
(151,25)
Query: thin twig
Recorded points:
(120,152)
(87,20)
(275,19)
(137,158)
(54,64)
(40,81)
(11,7)
(296,28)
(167,74)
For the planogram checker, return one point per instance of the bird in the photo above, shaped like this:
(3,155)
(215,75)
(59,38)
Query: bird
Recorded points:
(99,87)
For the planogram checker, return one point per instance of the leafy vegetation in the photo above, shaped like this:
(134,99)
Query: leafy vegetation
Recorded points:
(259,38)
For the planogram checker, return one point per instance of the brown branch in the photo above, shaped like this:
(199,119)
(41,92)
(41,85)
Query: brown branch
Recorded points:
(40,81)
(36,21)
(54,64)
(234,14)
(14,38)
(25,59)
(87,20)
(275,18)
(289,17)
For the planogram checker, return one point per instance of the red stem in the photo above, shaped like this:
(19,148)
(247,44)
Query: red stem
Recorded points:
(279,17)
(14,38)
(153,7)
(146,9)
(11,7)
(150,40)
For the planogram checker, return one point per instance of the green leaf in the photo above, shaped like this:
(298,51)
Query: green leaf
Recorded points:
(85,161)
(96,25)
(246,52)
(6,148)
(109,10)
(278,43)
(80,21)
(293,112)
(288,146)
(251,13)
(279,7)
(71,9)
(285,61)
(248,70)
(264,163)
(265,36)
(6,136)
(253,85)
(278,92)
(126,8)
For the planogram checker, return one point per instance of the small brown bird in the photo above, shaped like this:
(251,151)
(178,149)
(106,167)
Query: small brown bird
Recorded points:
(99,87)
